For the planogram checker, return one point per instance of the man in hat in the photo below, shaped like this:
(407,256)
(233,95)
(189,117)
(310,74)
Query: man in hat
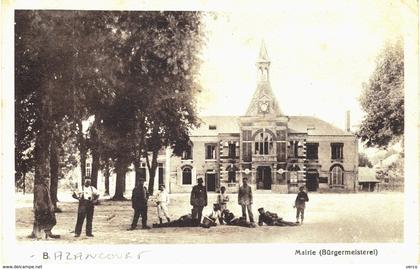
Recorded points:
(88,196)
(245,199)
(139,199)
(300,202)
(198,200)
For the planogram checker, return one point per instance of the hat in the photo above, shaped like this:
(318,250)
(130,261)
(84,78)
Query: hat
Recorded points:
(88,179)
(200,179)
(301,188)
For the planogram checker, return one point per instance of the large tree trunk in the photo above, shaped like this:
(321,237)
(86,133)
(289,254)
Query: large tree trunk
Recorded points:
(120,182)
(54,170)
(95,154)
(152,171)
(82,151)
(107,174)
(138,172)
(95,167)
(24,182)
(42,156)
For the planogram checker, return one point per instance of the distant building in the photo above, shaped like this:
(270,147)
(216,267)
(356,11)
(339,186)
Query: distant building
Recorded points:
(367,179)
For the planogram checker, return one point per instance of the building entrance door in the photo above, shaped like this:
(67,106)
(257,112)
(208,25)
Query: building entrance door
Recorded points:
(312,180)
(211,181)
(264,177)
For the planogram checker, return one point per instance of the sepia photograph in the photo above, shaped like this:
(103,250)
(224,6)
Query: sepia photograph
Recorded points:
(279,124)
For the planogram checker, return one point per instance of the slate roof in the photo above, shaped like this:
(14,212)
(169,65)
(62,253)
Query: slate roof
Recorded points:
(224,124)
(301,124)
(297,124)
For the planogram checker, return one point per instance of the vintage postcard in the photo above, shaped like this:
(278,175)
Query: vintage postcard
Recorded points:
(223,132)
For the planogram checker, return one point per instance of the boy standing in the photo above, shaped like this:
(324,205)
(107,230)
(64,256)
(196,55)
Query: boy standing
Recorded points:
(222,198)
(162,201)
(300,202)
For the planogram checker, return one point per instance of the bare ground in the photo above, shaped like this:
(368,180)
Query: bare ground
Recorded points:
(329,218)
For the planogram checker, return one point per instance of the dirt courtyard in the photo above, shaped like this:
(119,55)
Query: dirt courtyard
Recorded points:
(329,218)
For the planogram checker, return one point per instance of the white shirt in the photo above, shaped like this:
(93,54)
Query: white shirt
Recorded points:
(88,193)
(162,197)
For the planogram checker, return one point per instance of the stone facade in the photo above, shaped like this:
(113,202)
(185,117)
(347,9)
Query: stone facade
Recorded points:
(277,153)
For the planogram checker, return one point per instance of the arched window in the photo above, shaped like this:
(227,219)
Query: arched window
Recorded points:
(337,175)
(264,144)
(186,176)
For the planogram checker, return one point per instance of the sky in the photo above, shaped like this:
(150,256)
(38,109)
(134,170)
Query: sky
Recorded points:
(321,53)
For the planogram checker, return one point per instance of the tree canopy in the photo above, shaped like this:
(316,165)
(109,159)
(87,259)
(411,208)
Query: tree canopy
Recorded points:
(134,72)
(383,99)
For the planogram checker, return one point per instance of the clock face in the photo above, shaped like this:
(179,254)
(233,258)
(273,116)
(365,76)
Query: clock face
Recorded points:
(264,106)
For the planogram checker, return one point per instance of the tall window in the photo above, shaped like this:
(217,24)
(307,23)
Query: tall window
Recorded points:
(294,149)
(263,144)
(337,151)
(186,176)
(247,145)
(88,170)
(337,175)
(187,154)
(312,151)
(281,151)
(232,176)
(232,150)
(210,151)
(160,172)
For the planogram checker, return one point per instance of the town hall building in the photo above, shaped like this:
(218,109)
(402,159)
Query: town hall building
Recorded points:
(275,152)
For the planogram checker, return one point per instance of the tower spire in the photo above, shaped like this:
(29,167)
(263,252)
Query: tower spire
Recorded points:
(263,55)
(263,64)
(263,101)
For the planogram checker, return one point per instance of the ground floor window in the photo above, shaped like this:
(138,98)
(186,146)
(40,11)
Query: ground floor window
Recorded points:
(337,175)
(186,176)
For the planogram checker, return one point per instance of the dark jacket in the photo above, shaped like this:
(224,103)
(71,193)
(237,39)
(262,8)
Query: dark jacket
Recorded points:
(245,195)
(268,218)
(139,197)
(301,199)
(198,196)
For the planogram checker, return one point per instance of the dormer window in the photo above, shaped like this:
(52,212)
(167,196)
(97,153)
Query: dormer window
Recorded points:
(212,127)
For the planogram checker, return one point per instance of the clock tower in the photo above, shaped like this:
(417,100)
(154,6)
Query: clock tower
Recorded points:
(263,137)
(263,102)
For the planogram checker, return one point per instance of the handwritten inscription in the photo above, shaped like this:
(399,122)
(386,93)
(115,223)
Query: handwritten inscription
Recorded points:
(84,256)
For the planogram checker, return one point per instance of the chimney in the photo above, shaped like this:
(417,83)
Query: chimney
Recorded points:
(348,121)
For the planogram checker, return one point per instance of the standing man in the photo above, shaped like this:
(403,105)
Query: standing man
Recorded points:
(198,200)
(300,202)
(139,199)
(245,199)
(88,196)
(162,201)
